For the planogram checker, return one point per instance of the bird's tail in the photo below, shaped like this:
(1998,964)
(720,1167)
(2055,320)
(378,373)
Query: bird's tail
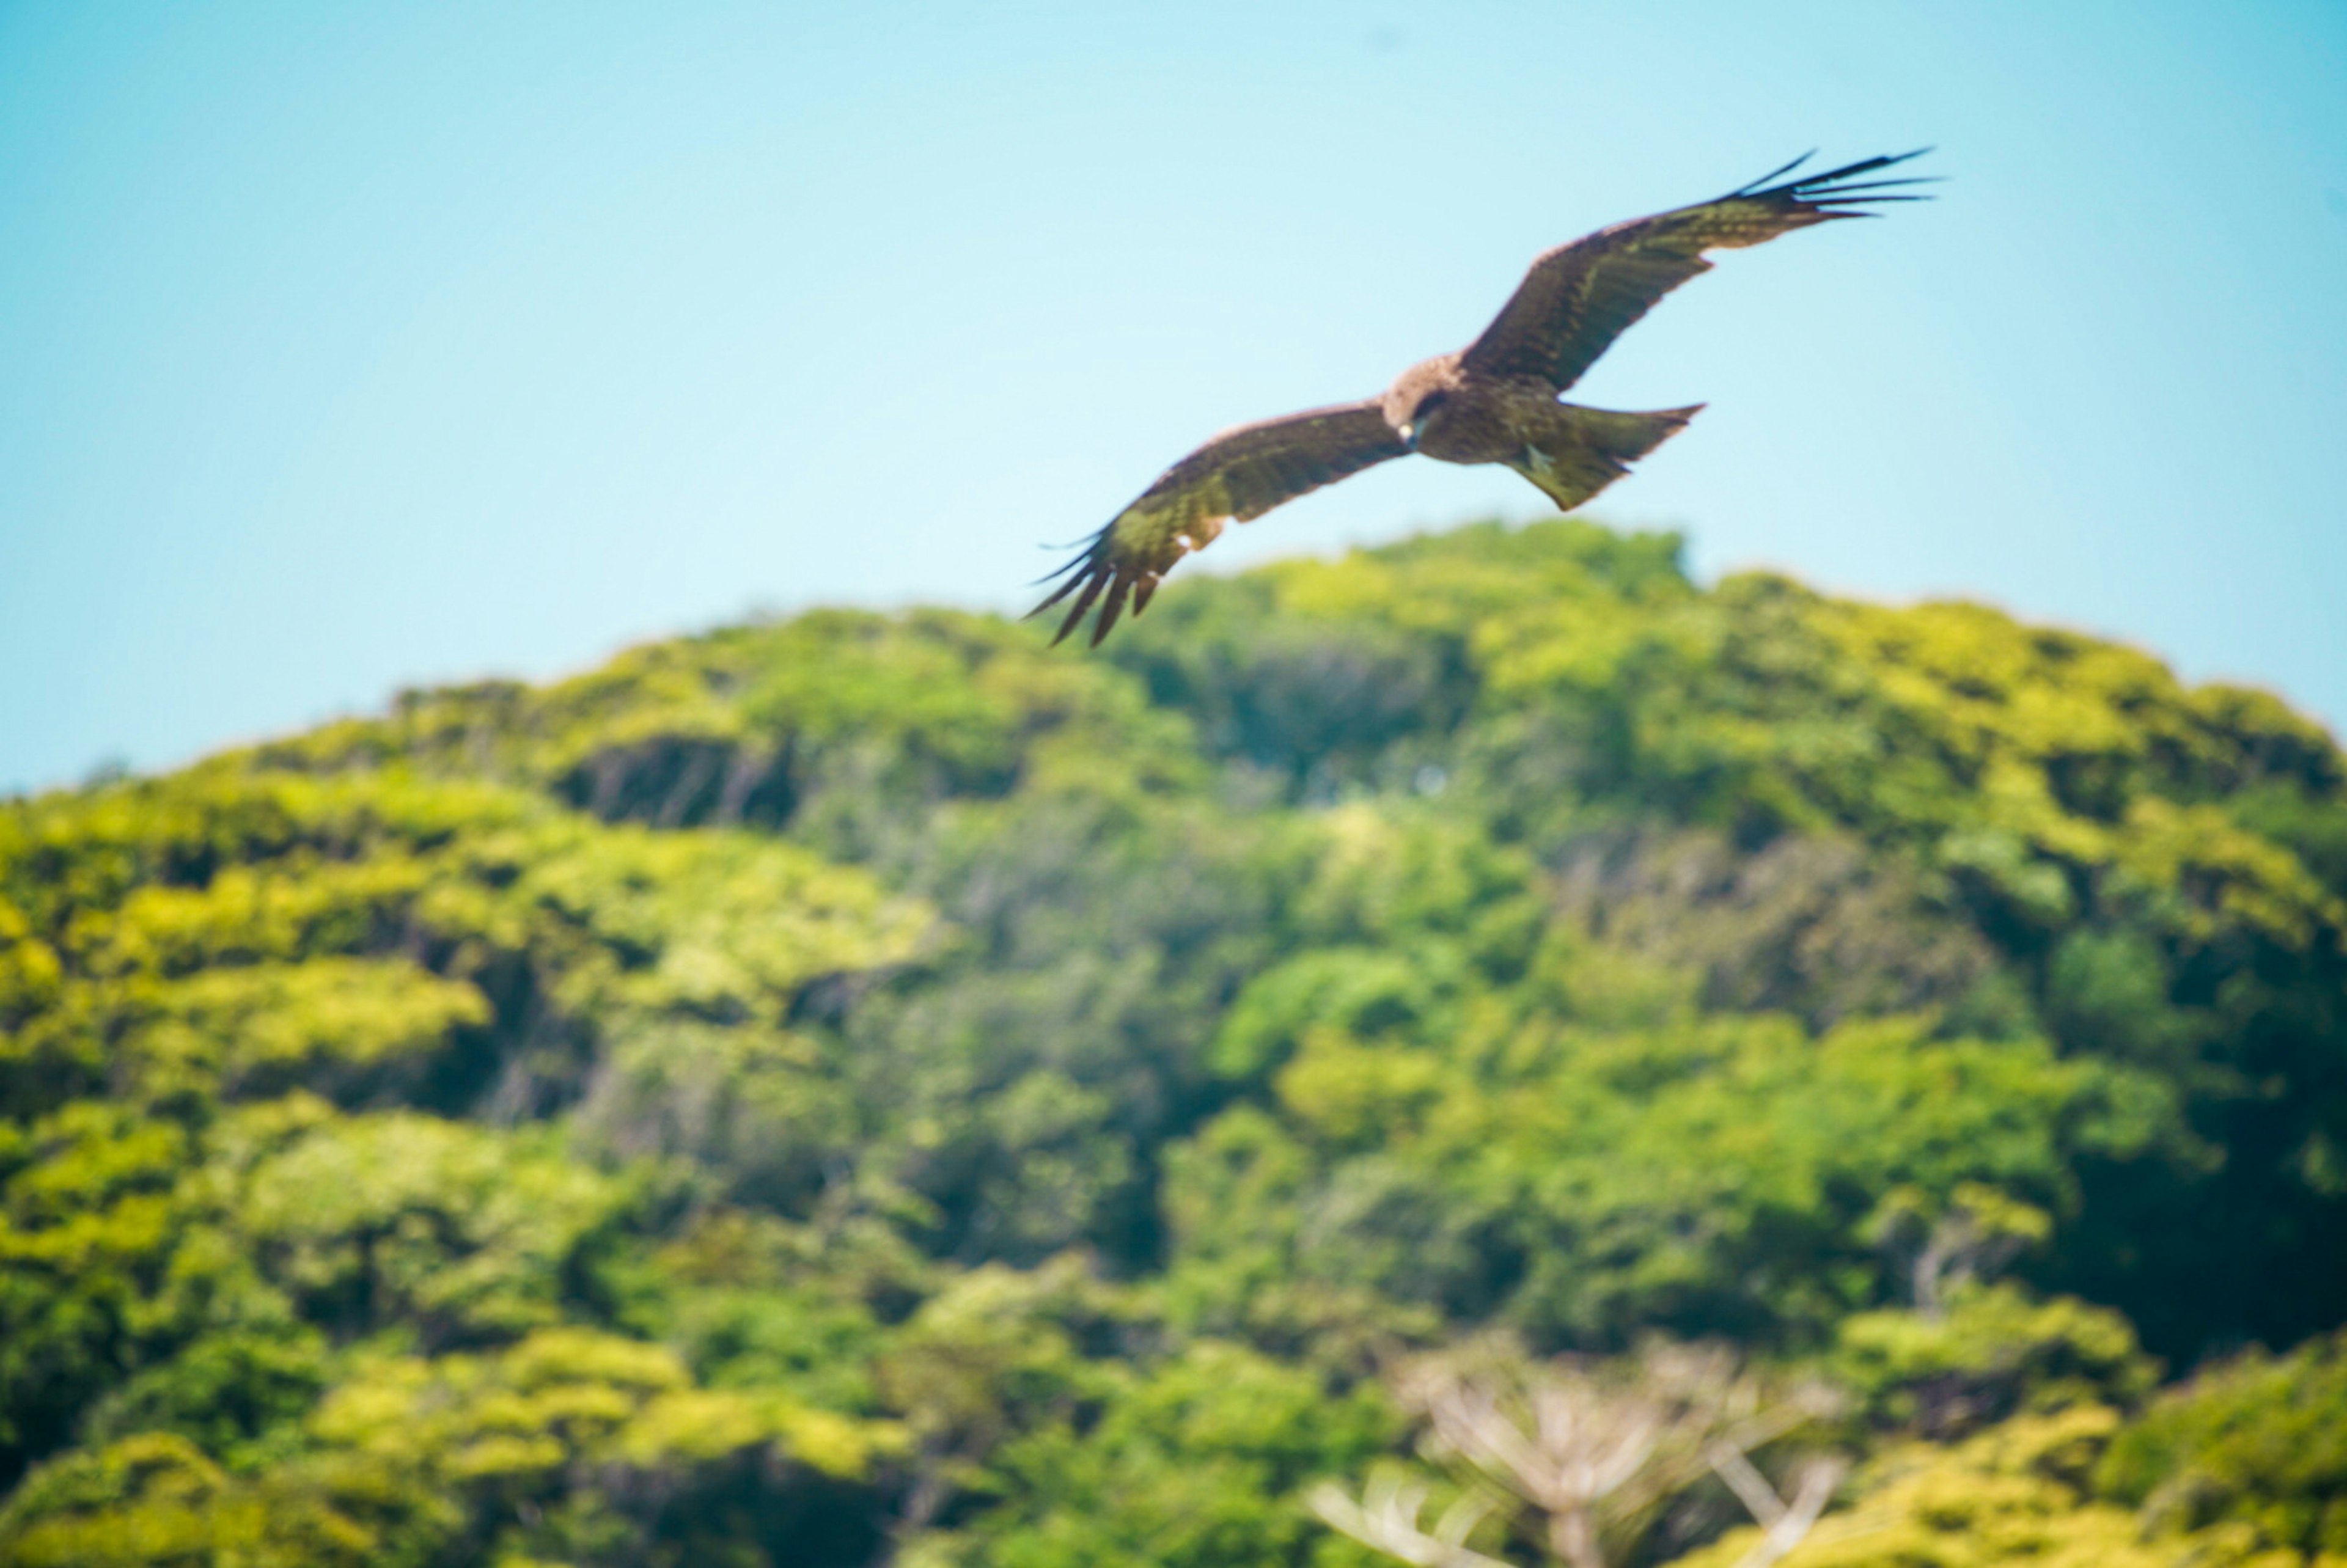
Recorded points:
(1586,450)
(1626,437)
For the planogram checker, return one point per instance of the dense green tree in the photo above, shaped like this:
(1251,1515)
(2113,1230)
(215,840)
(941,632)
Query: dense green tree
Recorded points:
(871,1086)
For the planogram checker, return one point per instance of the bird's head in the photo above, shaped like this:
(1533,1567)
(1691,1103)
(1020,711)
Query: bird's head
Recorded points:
(1417,398)
(1427,410)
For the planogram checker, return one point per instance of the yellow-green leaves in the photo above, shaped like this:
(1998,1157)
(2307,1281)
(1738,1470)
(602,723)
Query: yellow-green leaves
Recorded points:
(399,1218)
(570,1396)
(565,1437)
(719,926)
(156,1500)
(2013,1494)
(330,1023)
(29,970)
(2256,1447)
(1988,1352)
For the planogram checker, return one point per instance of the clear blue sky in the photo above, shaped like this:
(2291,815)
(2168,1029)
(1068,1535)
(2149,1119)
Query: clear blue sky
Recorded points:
(348,346)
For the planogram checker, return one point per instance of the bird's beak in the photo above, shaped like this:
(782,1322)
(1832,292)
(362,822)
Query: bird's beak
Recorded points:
(1409,436)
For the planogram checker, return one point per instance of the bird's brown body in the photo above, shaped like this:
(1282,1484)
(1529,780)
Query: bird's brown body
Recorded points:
(1498,400)
(1442,409)
(1448,414)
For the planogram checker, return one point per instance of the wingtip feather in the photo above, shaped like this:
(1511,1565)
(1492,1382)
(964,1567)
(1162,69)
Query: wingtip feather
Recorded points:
(1834,187)
(1777,173)
(1058,593)
(1123,590)
(1056,573)
(1092,586)
(1111,607)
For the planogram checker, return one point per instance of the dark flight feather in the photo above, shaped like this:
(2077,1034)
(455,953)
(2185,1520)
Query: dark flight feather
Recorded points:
(1578,298)
(1238,475)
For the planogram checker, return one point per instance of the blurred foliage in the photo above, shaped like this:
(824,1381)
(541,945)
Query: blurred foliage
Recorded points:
(870,1087)
(2257,1443)
(2015,1494)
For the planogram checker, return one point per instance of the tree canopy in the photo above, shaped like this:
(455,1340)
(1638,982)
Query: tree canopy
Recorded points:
(866,1087)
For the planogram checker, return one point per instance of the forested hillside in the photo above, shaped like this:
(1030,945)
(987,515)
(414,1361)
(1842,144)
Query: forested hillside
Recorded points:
(869,1088)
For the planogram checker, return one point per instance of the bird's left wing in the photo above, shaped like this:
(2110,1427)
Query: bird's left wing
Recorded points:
(1239,474)
(1579,298)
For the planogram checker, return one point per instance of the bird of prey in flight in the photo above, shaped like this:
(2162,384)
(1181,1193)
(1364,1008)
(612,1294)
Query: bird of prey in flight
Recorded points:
(1495,401)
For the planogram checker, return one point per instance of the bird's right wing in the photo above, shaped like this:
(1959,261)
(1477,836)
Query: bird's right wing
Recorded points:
(1579,298)
(1238,475)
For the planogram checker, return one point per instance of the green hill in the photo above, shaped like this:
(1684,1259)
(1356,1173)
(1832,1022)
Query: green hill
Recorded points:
(869,1087)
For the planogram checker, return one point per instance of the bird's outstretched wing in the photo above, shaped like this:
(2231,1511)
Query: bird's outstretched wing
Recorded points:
(1579,297)
(1240,474)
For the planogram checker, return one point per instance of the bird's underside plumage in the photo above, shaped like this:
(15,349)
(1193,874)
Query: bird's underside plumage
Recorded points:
(1495,401)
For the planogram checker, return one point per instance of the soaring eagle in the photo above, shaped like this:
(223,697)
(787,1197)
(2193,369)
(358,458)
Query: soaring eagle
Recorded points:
(1495,401)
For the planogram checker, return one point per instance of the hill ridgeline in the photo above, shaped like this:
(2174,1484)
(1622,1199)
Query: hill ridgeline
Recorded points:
(857,1088)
